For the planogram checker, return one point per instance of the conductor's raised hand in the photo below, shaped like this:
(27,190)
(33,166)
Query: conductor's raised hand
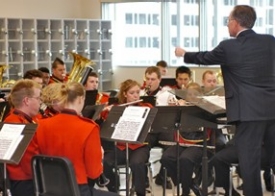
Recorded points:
(179,52)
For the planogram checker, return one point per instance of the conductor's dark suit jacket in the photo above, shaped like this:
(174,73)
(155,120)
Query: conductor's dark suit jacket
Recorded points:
(248,68)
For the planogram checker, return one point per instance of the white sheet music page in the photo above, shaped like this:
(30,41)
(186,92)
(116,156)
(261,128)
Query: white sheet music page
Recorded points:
(10,137)
(216,100)
(130,123)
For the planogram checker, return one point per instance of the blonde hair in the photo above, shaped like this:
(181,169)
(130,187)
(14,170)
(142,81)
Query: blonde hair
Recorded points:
(21,89)
(69,92)
(51,93)
(124,88)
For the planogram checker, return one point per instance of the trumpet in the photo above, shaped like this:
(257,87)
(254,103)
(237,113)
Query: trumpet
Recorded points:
(147,90)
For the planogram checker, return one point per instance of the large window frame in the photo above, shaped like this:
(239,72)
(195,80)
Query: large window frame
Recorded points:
(196,25)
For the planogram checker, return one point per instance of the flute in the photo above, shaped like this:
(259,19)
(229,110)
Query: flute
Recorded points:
(130,103)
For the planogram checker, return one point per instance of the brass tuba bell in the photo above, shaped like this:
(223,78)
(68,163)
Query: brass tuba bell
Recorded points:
(81,69)
(7,83)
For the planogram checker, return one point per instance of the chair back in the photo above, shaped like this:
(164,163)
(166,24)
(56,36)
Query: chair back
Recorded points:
(54,176)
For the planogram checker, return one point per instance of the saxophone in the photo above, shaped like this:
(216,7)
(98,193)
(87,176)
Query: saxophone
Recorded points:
(2,114)
(147,90)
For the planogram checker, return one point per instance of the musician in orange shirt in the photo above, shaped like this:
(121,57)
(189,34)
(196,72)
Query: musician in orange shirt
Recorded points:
(58,72)
(25,98)
(92,84)
(77,139)
(138,153)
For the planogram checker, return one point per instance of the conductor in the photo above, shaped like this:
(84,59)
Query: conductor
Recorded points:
(248,68)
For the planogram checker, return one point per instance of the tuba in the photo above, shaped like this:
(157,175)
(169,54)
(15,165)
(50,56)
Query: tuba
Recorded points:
(81,69)
(7,83)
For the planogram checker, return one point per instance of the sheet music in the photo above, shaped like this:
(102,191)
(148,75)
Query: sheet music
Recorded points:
(130,123)
(10,137)
(216,100)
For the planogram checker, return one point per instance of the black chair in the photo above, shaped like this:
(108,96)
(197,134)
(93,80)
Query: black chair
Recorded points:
(54,176)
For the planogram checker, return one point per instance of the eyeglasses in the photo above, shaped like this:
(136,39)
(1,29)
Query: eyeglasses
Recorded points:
(37,98)
(229,19)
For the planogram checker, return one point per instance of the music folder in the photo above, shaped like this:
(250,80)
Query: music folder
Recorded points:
(90,97)
(168,82)
(14,139)
(115,128)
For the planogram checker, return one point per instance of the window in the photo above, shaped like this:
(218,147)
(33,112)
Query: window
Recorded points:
(174,20)
(129,42)
(142,18)
(146,33)
(142,42)
(128,18)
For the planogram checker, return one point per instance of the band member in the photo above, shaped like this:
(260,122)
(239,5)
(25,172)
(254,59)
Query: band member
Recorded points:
(138,153)
(58,72)
(152,87)
(183,77)
(92,84)
(46,75)
(50,100)
(162,65)
(34,75)
(25,98)
(209,81)
(57,139)
(189,157)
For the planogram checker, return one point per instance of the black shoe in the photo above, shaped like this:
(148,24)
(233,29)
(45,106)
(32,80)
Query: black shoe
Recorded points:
(196,189)
(160,181)
(269,189)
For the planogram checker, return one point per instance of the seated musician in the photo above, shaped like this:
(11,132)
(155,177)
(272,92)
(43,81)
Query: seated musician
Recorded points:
(50,100)
(183,77)
(138,153)
(190,155)
(77,139)
(25,99)
(46,75)
(34,75)
(92,84)
(58,72)
(209,81)
(153,78)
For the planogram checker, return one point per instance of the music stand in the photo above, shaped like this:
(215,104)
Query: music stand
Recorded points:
(14,156)
(186,119)
(108,128)
(112,101)
(149,99)
(92,111)
(218,90)
(168,82)
(4,110)
(90,97)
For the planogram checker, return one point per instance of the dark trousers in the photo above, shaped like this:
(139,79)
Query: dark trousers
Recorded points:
(22,188)
(137,160)
(249,139)
(188,159)
(223,159)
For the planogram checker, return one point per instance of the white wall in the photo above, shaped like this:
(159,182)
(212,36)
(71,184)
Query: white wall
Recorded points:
(50,9)
(74,9)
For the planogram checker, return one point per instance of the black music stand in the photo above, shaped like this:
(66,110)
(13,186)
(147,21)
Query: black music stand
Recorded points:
(4,110)
(92,111)
(90,97)
(149,99)
(218,90)
(108,128)
(187,119)
(27,133)
(168,82)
